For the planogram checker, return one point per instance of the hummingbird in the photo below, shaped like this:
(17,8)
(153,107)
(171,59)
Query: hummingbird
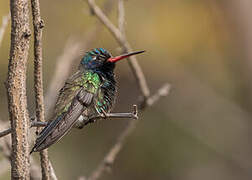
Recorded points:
(88,94)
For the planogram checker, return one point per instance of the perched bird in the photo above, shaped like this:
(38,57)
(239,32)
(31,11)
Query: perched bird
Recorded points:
(88,93)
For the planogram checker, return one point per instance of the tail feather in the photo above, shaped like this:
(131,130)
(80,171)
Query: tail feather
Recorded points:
(46,132)
(62,124)
(59,127)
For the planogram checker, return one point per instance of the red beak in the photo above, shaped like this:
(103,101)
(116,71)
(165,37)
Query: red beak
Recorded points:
(117,58)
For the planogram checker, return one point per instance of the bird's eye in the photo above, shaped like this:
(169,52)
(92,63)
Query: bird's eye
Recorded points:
(100,57)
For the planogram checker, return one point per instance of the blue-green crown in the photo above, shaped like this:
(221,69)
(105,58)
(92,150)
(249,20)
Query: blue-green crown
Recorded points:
(95,57)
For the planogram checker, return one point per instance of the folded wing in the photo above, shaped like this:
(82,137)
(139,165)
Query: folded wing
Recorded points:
(75,100)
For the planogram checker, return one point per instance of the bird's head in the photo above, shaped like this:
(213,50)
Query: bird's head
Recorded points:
(100,58)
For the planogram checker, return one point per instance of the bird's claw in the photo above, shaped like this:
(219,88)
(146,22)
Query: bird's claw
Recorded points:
(135,112)
(104,114)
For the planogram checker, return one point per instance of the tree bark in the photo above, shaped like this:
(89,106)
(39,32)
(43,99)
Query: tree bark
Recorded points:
(16,88)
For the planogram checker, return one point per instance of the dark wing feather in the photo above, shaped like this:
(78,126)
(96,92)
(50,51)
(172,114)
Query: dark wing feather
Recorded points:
(72,101)
(60,126)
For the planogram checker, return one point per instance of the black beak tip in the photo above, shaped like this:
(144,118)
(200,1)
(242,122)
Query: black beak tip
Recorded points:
(141,51)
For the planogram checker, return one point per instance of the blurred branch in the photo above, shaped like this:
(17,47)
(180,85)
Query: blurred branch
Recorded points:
(120,36)
(162,92)
(62,71)
(5,21)
(16,88)
(238,14)
(121,17)
(52,172)
(109,158)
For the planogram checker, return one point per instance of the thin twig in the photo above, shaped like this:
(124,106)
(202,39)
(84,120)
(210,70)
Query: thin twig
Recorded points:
(84,121)
(33,124)
(5,21)
(38,25)
(5,132)
(110,157)
(121,17)
(162,92)
(52,172)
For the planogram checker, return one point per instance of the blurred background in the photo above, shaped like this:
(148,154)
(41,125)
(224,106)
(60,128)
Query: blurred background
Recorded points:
(203,48)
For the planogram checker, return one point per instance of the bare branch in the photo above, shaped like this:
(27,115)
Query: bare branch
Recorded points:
(5,21)
(82,178)
(38,24)
(52,172)
(5,132)
(104,116)
(38,124)
(16,88)
(121,17)
(162,92)
(33,124)
(112,154)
